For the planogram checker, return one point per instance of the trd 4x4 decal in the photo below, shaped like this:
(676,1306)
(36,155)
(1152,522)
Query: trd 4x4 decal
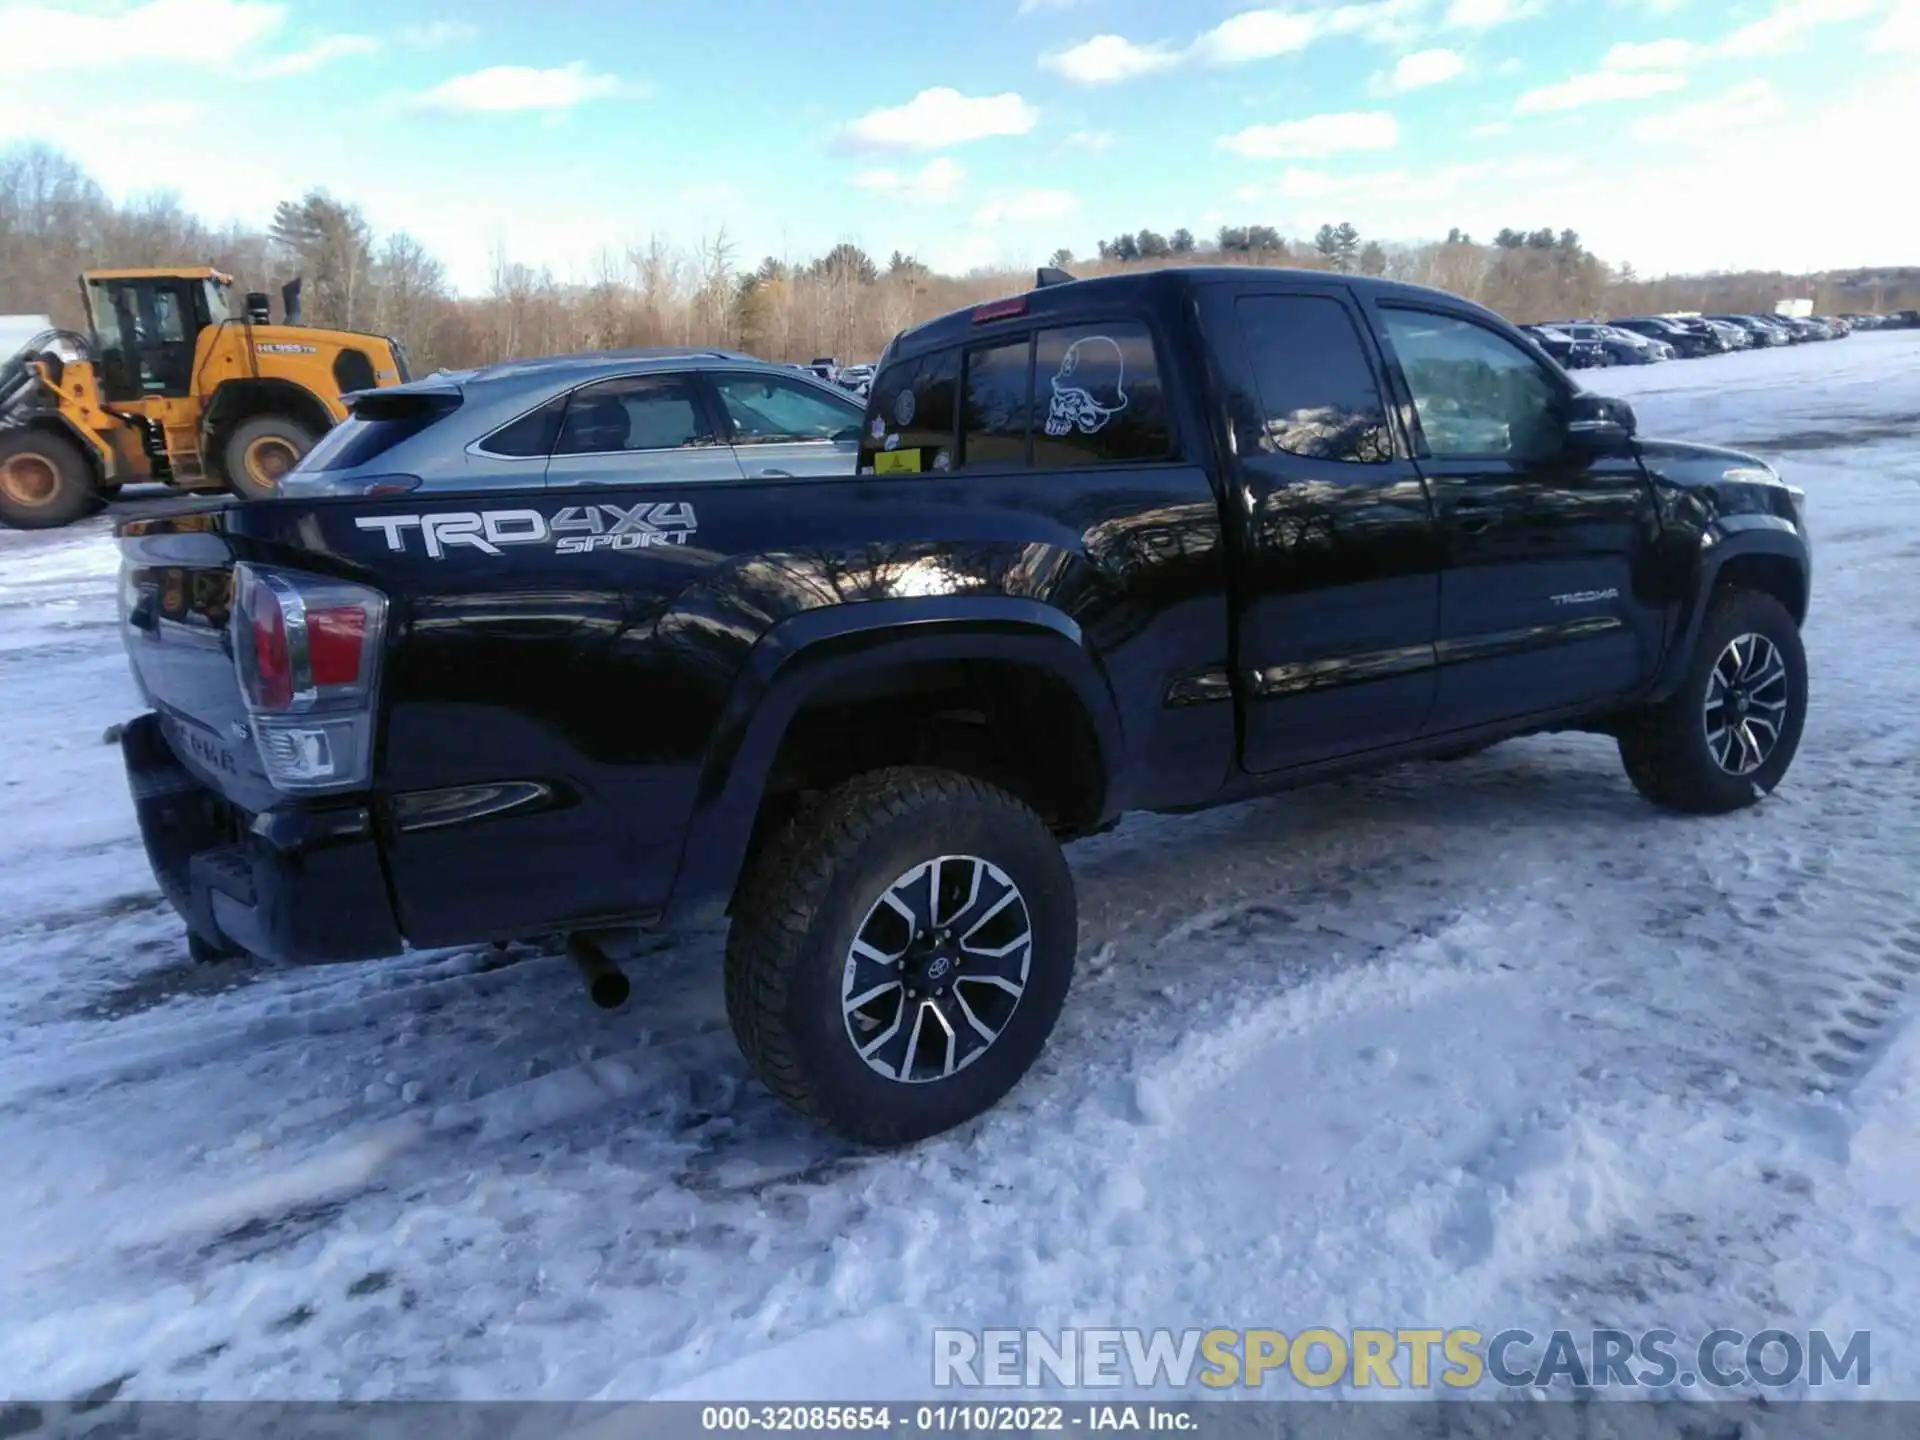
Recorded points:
(571,530)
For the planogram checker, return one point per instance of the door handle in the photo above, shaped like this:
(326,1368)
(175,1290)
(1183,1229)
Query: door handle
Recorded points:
(1473,523)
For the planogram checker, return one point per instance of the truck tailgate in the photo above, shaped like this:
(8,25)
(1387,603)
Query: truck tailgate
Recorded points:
(176,590)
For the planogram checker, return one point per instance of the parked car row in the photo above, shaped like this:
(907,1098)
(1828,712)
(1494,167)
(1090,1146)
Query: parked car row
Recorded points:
(858,379)
(1646,339)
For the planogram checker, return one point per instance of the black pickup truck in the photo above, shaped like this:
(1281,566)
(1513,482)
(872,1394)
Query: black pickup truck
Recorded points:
(1150,542)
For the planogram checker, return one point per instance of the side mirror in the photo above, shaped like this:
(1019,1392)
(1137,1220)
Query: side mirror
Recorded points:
(1599,422)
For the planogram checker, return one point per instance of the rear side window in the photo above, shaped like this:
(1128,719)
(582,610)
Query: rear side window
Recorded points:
(532,436)
(644,412)
(993,414)
(1318,394)
(372,430)
(1098,397)
(910,415)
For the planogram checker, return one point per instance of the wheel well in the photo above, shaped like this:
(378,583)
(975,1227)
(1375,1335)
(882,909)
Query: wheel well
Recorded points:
(241,400)
(1773,575)
(1012,724)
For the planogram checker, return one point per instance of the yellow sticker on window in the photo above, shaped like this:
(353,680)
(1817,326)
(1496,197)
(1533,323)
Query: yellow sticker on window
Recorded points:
(896,462)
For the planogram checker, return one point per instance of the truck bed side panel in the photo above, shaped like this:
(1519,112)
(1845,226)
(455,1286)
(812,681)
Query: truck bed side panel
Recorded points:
(587,643)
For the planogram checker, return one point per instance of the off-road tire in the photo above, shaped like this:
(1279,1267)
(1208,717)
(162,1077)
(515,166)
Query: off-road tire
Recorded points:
(799,910)
(45,481)
(1665,748)
(202,951)
(244,459)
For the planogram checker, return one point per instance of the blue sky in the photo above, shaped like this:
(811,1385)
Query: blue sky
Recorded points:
(1674,134)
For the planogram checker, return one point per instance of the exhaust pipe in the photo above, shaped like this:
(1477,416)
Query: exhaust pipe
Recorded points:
(606,982)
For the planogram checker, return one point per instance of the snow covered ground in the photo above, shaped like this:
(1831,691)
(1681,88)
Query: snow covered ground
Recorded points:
(1488,1043)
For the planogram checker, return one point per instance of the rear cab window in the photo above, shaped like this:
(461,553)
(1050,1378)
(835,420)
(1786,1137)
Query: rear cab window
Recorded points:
(1058,396)
(910,415)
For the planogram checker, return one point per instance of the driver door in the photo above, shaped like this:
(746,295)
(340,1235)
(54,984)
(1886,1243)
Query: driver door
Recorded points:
(1545,545)
(782,429)
(154,358)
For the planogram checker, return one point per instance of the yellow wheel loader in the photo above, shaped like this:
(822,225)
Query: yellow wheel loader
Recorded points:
(168,386)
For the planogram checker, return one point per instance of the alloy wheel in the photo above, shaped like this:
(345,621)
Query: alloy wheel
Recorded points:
(937,968)
(1746,704)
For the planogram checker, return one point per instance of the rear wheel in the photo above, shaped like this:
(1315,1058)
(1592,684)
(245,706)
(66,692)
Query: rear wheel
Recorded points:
(45,481)
(261,451)
(900,953)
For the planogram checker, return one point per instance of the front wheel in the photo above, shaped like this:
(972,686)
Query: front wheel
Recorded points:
(1725,739)
(45,481)
(899,954)
(261,451)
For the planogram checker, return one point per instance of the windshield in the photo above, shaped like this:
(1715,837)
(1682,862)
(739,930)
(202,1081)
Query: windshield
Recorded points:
(219,301)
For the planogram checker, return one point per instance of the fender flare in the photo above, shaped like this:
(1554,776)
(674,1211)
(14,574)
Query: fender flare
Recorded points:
(1729,538)
(97,451)
(231,399)
(806,651)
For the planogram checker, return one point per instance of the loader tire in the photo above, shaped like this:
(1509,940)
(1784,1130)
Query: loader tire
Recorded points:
(261,451)
(45,481)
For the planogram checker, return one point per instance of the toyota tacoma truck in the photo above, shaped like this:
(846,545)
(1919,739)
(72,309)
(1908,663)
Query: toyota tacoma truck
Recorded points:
(583,647)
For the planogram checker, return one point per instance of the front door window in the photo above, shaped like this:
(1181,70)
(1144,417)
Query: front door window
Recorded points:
(1477,394)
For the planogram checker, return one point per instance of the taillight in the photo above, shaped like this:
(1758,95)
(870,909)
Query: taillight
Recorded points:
(307,648)
(336,639)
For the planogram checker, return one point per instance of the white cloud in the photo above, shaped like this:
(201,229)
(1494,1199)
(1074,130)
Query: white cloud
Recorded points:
(1316,136)
(1789,22)
(1256,35)
(520,87)
(1030,7)
(160,32)
(937,118)
(323,52)
(1385,22)
(1492,130)
(1650,55)
(1249,36)
(1900,31)
(437,34)
(1600,88)
(1392,190)
(1094,142)
(964,253)
(934,183)
(1026,207)
(1485,14)
(1107,60)
(1740,108)
(1679,219)
(1422,68)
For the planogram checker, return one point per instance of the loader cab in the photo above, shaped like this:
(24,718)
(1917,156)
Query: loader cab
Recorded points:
(145,325)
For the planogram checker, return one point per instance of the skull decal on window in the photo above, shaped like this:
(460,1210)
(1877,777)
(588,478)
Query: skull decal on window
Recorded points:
(1089,389)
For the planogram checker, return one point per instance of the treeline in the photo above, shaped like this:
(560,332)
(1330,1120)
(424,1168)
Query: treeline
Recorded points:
(55,221)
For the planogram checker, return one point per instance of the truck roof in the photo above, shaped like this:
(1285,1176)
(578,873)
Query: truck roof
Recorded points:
(1140,290)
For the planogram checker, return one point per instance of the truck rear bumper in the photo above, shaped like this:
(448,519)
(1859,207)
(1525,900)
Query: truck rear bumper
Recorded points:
(299,886)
